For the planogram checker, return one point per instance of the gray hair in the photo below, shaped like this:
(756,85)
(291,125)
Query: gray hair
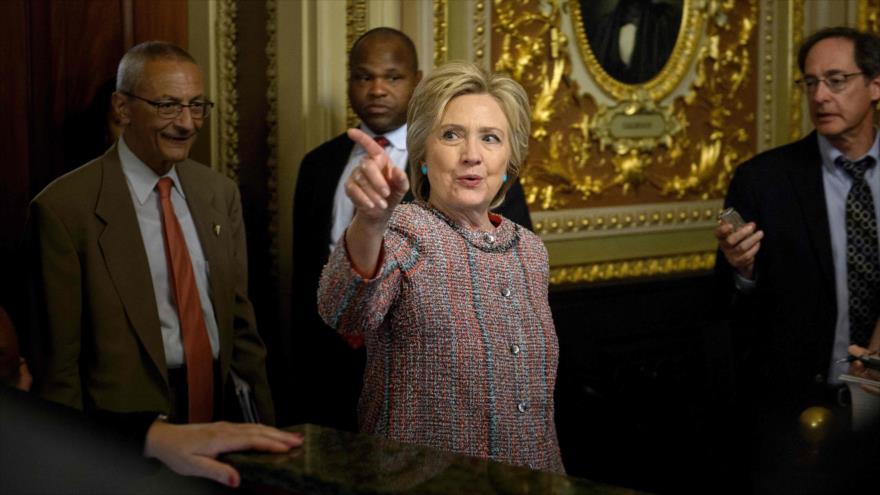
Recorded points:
(429,100)
(131,67)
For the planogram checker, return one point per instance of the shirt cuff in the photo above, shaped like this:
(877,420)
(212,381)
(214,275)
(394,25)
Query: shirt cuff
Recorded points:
(744,285)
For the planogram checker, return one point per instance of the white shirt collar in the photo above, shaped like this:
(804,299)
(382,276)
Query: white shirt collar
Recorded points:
(830,153)
(397,137)
(141,178)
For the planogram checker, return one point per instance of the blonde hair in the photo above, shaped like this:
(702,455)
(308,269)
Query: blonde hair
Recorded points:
(429,100)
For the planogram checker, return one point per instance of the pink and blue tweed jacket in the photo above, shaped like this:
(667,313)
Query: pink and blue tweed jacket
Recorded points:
(461,347)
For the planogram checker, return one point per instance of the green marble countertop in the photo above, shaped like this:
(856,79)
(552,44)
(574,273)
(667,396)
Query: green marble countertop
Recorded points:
(337,462)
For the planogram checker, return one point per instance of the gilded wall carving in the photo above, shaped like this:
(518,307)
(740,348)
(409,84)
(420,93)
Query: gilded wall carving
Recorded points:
(869,20)
(869,15)
(227,53)
(355,26)
(797,37)
(693,141)
(637,268)
(479,43)
(609,159)
(441,23)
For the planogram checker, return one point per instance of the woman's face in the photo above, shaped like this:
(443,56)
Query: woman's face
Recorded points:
(467,154)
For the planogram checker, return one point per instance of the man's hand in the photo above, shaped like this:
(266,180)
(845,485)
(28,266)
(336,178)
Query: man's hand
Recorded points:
(191,450)
(856,368)
(740,247)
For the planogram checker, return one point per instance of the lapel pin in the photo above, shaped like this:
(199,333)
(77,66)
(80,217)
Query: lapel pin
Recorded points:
(217,229)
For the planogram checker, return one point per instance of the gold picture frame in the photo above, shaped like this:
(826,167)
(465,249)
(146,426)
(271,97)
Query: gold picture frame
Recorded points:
(611,203)
(672,72)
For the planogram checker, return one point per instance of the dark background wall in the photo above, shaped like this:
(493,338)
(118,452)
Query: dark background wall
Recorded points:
(644,389)
(59,63)
(59,60)
(643,375)
(254,176)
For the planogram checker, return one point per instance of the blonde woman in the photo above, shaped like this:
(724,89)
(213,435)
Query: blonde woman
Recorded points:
(450,299)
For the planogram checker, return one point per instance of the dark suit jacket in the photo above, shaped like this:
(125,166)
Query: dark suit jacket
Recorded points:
(783,333)
(96,341)
(335,368)
(784,329)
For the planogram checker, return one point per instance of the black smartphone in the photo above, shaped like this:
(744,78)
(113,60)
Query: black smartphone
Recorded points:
(732,217)
(872,362)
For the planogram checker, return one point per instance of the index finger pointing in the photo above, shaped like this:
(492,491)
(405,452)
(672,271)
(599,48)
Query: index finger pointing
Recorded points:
(369,144)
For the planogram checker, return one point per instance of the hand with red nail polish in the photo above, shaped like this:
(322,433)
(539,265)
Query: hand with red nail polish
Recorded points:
(192,449)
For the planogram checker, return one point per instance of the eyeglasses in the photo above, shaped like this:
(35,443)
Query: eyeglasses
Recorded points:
(835,82)
(171,109)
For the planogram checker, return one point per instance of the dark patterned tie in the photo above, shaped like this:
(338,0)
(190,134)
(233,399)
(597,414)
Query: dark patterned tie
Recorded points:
(862,254)
(382,141)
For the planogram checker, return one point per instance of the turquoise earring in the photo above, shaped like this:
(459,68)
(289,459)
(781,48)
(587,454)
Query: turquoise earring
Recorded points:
(424,170)
(504,178)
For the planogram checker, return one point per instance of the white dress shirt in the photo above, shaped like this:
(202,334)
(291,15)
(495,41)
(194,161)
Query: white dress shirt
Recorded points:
(142,182)
(343,209)
(837,184)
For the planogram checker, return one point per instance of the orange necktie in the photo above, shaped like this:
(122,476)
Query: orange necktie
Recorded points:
(196,347)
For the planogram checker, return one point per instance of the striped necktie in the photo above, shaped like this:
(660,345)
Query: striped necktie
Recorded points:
(382,141)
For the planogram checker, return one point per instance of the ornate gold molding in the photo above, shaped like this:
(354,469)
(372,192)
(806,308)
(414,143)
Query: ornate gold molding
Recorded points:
(869,20)
(797,37)
(869,16)
(355,21)
(480,33)
(716,110)
(633,125)
(621,220)
(272,130)
(765,127)
(441,24)
(355,26)
(669,77)
(609,208)
(227,100)
(634,268)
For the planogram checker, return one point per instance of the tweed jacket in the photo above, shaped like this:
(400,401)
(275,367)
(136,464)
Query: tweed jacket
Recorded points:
(96,340)
(461,347)
(331,396)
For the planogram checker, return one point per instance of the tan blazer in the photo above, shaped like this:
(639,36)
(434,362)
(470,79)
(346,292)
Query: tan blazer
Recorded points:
(97,341)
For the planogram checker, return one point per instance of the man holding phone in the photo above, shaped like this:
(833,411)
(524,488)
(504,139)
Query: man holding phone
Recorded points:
(804,269)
